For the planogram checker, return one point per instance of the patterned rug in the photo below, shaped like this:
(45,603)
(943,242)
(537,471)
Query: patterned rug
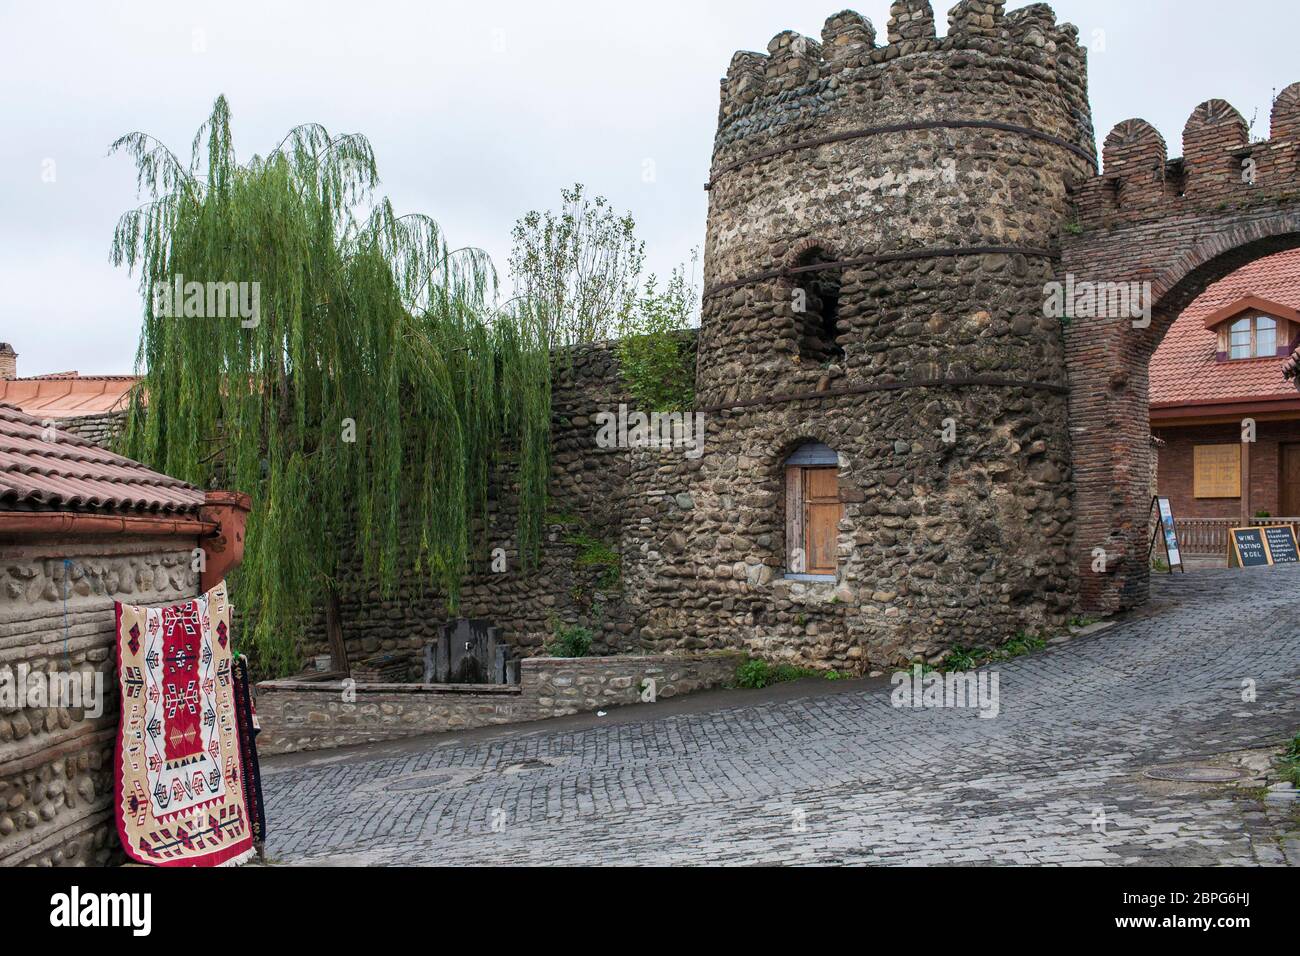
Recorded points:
(178,779)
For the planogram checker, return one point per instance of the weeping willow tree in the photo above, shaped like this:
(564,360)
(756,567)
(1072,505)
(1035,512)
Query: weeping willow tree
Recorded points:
(368,401)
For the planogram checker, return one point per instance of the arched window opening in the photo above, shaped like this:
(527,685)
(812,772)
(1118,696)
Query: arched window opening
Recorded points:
(817,308)
(812,511)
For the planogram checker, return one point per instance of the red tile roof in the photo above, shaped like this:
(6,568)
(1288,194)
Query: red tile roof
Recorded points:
(67,394)
(71,474)
(1184,370)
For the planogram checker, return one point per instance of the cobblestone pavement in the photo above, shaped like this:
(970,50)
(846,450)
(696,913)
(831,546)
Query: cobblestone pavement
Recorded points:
(837,775)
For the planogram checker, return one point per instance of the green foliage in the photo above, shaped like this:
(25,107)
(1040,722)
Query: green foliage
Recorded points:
(593,553)
(969,658)
(1262,514)
(961,659)
(655,358)
(1019,646)
(581,267)
(1291,762)
(1083,620)
(571,640)
(365,317)
(756,673)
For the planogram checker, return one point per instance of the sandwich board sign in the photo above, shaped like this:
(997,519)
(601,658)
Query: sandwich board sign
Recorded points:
(1263,546)
(1167,530)
(1281,542)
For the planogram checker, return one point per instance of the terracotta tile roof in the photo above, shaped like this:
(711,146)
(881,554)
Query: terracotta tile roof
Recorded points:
(67,394)
(71,474)
(1184,370)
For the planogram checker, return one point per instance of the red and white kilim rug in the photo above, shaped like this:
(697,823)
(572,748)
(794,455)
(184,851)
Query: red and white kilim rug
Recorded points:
(177,789)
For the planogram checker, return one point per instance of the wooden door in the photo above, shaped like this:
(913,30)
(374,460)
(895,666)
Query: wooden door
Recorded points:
(822,519)
(1288,491)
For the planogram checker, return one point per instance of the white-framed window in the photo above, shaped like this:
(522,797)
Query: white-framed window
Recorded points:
(1252,337)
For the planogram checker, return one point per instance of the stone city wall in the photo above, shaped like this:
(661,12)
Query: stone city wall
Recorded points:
(100,428)
(297,715)
(913,193)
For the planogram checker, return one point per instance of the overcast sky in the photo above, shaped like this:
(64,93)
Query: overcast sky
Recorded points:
(477,113)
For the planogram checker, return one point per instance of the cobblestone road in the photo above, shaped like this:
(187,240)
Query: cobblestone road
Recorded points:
(837,775)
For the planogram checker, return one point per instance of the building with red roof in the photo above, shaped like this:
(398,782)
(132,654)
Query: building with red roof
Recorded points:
(89,406)
(1217,380)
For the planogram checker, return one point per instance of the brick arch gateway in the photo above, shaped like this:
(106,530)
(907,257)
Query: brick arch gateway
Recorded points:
(1167,229)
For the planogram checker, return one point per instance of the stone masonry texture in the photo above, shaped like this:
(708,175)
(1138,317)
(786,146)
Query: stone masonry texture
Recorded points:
(56,613)
(298,716)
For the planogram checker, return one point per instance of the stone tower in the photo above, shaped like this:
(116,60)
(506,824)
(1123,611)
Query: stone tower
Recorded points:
(883,222)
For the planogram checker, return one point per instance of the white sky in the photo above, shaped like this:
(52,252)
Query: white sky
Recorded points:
(477,113)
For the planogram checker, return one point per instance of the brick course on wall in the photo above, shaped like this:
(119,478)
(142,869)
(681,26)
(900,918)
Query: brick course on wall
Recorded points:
(934,172)
(56,779)
(309,716)
(1180,225)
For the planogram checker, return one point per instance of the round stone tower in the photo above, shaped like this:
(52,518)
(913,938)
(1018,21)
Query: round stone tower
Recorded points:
(881,234)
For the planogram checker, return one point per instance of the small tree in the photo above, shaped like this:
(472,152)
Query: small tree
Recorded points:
(654,355)
(579,267)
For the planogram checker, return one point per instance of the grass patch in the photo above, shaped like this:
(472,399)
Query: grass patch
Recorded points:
(969,658)
(755,674)
(593,553)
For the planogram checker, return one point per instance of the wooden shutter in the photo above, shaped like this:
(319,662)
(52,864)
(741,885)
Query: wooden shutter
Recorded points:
(822,519)
(1216,471)
(796,559)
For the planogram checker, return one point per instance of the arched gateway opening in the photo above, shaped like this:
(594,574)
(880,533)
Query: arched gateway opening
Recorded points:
(1157,232)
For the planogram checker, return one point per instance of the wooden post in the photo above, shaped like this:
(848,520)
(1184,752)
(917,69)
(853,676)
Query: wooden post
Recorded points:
(1246,513)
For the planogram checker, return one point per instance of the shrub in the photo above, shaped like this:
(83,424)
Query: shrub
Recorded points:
(571,640)
(1291,762)
(755,674)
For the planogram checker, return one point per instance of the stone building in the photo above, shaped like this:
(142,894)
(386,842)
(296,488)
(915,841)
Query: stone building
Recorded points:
(880,224)
(80,528)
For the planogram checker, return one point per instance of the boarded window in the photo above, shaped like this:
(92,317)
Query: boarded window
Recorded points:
(1216,471)
(812,511)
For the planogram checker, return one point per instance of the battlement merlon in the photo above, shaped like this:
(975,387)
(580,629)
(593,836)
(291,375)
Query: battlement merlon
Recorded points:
(1219,163)
(1030,35)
